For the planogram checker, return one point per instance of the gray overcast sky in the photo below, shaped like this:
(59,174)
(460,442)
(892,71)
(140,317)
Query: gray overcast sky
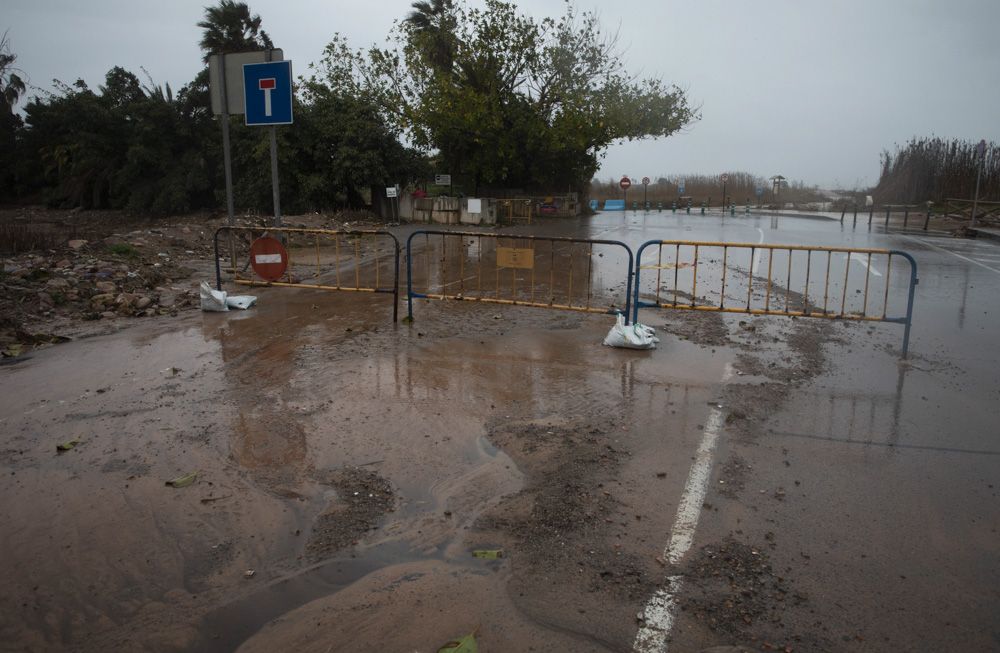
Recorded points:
(810,89)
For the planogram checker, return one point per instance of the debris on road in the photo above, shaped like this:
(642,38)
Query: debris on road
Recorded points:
(633,336)
(66,446)
(465,645)
(488,554)
(183,481)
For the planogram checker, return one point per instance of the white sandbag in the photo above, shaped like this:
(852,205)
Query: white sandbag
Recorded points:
(634,336)
(211,299)
(242,302)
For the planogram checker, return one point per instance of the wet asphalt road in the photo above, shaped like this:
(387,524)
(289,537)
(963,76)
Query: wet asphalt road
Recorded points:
(871,486)
(891,469)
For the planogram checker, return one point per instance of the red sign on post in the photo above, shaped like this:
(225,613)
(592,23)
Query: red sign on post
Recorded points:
(625,183)
(268,258)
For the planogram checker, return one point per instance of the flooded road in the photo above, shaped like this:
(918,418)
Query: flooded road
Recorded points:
(347,468)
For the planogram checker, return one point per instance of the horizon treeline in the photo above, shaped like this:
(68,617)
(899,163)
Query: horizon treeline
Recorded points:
(934,169)
(741,187)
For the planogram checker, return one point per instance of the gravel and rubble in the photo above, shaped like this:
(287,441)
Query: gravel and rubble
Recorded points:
(69,274)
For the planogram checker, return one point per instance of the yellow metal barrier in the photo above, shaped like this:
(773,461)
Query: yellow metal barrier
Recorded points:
(515,210)
(729,278)
(321,259)
(541,271)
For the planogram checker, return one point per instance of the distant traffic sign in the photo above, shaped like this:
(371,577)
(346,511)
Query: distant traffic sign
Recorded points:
(680,187)
(267,92)
(625,183)
(645,181)
(725,177)
(442,180)
(391,191)
(760,191)
(268,258)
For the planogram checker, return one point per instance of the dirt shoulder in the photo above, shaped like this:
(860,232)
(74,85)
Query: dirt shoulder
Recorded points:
(69,274)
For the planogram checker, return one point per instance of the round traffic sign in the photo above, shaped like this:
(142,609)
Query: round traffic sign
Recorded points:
(645,181)
(725,177)
(268,258)
(625,183)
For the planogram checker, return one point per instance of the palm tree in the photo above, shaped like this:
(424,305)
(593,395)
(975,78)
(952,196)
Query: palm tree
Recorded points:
(230,27)
(434,23)
(12,87)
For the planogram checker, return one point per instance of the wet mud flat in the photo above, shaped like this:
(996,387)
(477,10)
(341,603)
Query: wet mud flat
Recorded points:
(347,469)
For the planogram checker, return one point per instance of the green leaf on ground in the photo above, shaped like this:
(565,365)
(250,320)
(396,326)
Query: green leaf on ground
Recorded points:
(465,645)
(66,446)
(488,554)
(183,481)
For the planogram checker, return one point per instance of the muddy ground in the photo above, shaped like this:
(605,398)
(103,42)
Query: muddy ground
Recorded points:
(349,469)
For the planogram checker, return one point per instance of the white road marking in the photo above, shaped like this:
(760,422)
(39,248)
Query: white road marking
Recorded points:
(659,611)
(658,615)
(964,258)
(863,260)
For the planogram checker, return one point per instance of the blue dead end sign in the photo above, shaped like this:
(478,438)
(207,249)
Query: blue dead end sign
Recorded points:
(267,91)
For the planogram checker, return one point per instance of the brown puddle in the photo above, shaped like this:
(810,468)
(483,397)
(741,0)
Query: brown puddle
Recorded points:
(268,406)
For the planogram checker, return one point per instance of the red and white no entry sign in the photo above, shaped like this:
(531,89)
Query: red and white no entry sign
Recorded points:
(268,258)
(625,183)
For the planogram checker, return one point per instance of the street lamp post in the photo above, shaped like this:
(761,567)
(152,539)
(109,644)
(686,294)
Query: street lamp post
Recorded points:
(981,151)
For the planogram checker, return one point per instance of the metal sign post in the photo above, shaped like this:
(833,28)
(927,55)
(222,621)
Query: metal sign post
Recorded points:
(267,93)
(625,184)
(645,185)
(392,193)
(725,178)
(226,85)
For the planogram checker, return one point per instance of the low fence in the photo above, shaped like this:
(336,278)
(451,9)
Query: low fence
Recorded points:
(514,210)
(590,275)
(573,274)
(801,281)
(322,259)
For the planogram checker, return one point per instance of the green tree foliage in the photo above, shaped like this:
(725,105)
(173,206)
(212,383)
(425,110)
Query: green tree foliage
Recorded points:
(507,100)
(128,146)
(140,147)
(12,88)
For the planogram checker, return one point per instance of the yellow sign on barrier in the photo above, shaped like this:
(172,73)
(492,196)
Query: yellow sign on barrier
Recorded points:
(516,257)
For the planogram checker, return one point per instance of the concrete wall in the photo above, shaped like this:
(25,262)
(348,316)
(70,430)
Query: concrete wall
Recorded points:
(455,210)
(446,210)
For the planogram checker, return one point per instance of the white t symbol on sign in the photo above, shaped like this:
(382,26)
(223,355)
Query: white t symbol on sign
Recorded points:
(267,85)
